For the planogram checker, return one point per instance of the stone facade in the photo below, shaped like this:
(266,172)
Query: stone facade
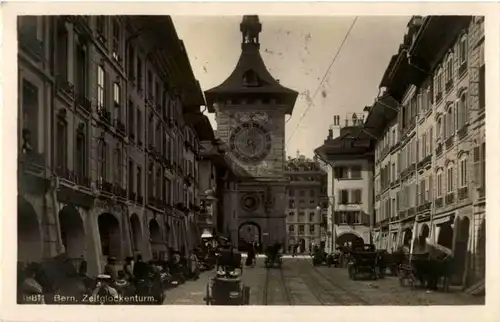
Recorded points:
(429,162)
(106,163)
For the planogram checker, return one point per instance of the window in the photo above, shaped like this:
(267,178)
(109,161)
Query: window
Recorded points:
(30,26)
(301,202)
(150,84)
(139,127)
(138,181)
(62,145)
(341,173)
(291,213)
(356,196)
(151,130)
(29,116)
(291,204)
(291,228)
(140,71)
(438,128)
(301,229)
(116,40)
(62,51)
(150,179)
(449,128)
(439,85)
(439,180)
(101,161)
(356,172)
(449,69)
(81,70)
(311,229)
(81,153)
(117,166)
(463,179)
(101,27)
(311,216)
(291,192)
(101,88)
(449,179)
(131,62)
(159,182)
(131,124)
(117,100)
(462,50)
(428,182)
(302,193)
(312,193)
(344,197)
(462,111)
(130,183)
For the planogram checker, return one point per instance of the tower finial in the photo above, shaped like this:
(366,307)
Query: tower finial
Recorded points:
(250,28)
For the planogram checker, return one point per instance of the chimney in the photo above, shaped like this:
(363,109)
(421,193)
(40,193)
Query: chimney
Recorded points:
(330,134)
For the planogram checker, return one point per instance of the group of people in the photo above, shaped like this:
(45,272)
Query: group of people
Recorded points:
(133,277)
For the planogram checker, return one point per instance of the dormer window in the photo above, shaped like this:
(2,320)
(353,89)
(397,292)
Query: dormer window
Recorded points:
(250,78)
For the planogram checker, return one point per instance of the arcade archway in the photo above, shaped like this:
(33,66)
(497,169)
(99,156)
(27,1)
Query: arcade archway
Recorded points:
(424,233)
(302,245)
(72,232)
(407,235)
(29,236)
(349,239)
(136,230)
(155,237)
(249,232)
(109,232)
(445,237)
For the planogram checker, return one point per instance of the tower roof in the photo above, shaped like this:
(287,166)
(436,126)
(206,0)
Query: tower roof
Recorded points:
(250,76)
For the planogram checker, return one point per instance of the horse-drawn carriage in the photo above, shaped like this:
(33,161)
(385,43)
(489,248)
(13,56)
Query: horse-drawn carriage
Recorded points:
(273,257)
(427,267)
(363,260)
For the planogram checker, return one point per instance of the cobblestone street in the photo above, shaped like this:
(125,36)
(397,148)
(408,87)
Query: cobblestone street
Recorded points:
(299,283)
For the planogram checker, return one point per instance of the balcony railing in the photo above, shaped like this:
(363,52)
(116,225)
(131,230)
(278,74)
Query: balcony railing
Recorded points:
(83,181)
(66,174)
(32,160)
(83,102)
(439,202)
(107,187)
(30,44)
(140,199)
(439,96)
(120,127)
(449,85)
(131,195)
(411,212)
(439,149)
(462,132)
(450,198)
(119,191)
(105,115)
(463,193)
(423,207)
(424,162)
(463,68)
(449,141)
(65,87)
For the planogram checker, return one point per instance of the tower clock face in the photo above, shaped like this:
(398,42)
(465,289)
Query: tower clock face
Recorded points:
(250,142)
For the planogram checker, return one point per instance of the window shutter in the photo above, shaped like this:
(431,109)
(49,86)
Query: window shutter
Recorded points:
(336,218)
(339,196)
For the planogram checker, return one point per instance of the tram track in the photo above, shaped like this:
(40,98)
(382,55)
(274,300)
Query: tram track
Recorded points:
(277,288)
(341,294)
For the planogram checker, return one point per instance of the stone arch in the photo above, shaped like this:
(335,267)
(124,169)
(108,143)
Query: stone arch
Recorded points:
(445,237)
(349,239)
(424,233)
(29,233)
(73,233)
(136,230)
(155,238)
(249,232)
(407,236)
(168,234)
(110,235)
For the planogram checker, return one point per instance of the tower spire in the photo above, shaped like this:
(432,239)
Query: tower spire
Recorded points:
(250,28)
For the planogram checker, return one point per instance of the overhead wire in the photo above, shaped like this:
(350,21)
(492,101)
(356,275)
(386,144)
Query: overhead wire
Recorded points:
(311,102)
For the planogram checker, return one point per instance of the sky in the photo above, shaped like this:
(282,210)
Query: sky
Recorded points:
(298,50)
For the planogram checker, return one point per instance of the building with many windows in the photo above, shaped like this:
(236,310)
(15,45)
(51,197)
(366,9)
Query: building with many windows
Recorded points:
(109,132)
(429,155)
(350,183)
(306,195)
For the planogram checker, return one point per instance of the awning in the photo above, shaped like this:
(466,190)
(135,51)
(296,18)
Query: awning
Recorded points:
(206,234)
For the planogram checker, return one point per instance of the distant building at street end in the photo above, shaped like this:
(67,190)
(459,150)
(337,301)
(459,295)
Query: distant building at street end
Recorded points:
(306,211)
(350,182)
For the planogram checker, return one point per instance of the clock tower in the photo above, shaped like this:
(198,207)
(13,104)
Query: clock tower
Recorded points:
(250,108)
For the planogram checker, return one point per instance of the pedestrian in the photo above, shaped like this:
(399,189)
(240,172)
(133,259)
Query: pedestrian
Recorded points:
(110,268)
(141,269)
